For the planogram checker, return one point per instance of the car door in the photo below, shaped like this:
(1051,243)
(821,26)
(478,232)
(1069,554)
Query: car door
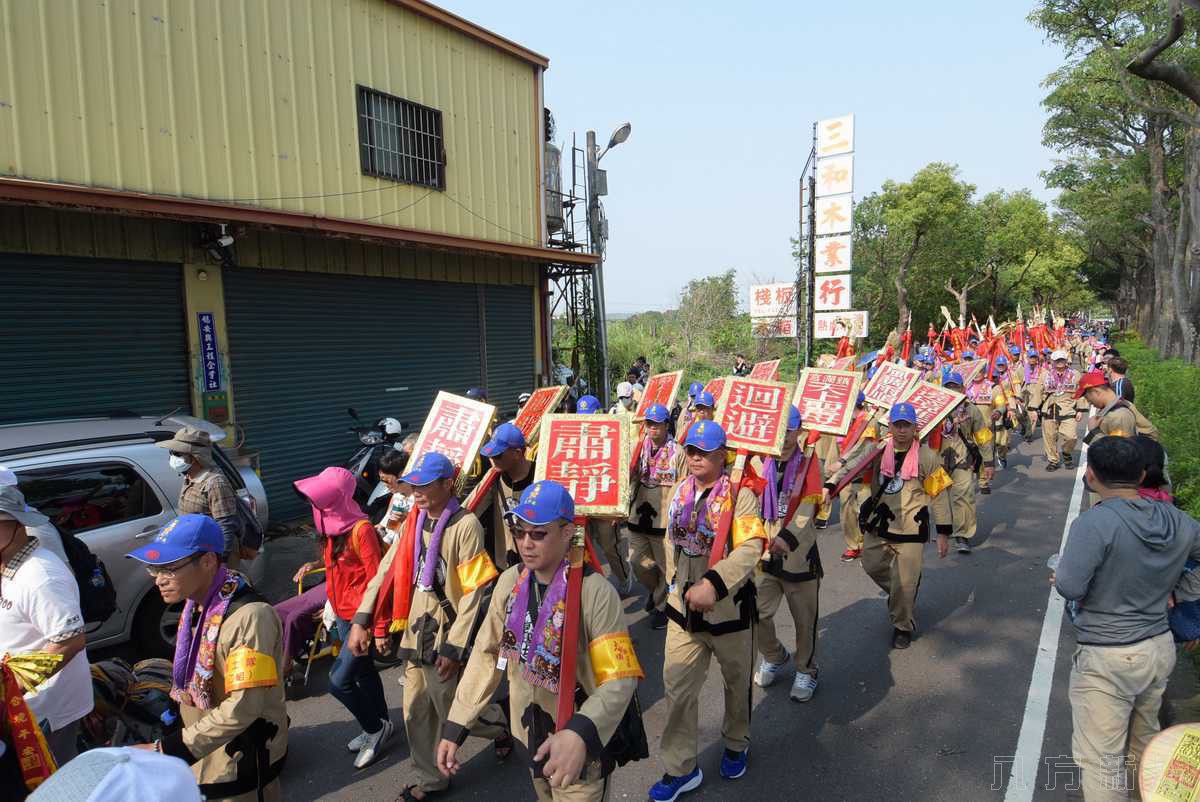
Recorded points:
(111,506)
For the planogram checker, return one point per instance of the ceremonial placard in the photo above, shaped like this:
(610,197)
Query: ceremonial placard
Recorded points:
(826,399)
(589,456)
(715,386)
(969,369)
(889,384)
(844,363)
(456,427)
(754,414)
(766,370)
(543,400)
(661,388)
(932,404)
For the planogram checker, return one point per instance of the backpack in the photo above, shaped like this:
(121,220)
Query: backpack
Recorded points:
(252,532)
(97,595)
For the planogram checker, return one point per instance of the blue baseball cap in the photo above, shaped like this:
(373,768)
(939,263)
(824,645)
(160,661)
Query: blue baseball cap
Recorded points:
(588,405)
(706,436)
(871,372)
(506,436)
(1015,351)
(793,418)
(544,502)
(430,466)
(953,377)
(705,399)
(657,413)
(862,399)
(1001,360)
(694,388)
(1031,352)
(182,537)
(1047,351)
(903,411)
(968,355)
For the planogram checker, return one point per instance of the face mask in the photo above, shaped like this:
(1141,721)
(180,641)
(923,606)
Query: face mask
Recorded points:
(178,464)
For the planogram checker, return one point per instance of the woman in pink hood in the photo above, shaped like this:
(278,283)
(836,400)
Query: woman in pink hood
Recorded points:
(351,554)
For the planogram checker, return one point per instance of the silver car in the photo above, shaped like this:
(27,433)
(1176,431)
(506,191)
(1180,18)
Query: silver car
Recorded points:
(104,480)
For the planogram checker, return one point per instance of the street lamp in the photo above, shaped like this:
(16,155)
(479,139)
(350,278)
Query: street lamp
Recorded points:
(618,136)
(597,184)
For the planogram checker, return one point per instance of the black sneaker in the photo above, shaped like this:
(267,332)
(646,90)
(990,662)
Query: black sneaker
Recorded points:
(962,545)
(1068,460)
(821,524)
(901,639)
(1053,466)
(987,491)
(1002,461)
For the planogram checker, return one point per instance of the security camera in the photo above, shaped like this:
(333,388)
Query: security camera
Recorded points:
(226,239)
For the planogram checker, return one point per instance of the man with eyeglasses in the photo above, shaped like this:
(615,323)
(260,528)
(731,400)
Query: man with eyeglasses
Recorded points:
(225,675)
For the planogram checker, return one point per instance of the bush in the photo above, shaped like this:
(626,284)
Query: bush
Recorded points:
(1168,393)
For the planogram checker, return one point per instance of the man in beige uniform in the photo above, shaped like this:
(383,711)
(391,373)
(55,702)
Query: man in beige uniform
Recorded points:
(711,611)
(507,451)
(990,402)
(827,452)
(522,639)
(235,724)
(1115,417)
(604,533)
(659,468)
(1061,412)
(854,494)
(447,578)
(966,432)
(907,500)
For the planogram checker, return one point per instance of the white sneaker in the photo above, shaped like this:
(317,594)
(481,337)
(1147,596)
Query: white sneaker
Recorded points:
(357,741)
(371,746)
(767,671)
(803,687)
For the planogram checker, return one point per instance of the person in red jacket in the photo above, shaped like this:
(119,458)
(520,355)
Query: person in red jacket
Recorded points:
(351,555)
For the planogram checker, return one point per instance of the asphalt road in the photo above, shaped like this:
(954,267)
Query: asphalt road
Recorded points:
(931,723)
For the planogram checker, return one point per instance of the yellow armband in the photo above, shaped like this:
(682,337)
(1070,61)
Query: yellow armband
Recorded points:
(936,482)
(746,528)
(476,572)
(613,657)
(246,668)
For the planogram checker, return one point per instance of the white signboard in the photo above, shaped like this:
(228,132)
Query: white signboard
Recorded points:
(834,254)
(772,300)
(835,325)
(832,293)
(766,327)
(835,214)
(835,176)
(835,136)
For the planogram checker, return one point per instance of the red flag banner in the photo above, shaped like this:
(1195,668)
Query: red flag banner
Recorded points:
(754,414)
(889,384)
(661,388)
(589,456)
(932,404)
(456,427)
(766,370)
(826,399)
(543,400)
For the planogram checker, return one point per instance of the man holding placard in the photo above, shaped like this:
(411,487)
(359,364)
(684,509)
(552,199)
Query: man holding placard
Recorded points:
(659,467)
(967,450)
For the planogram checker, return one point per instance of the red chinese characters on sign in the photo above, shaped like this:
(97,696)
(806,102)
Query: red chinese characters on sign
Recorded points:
(543,400)
(456,427)
(889,384)
(661,388)
(766,370)
(754,413)
(833,293)
(932,403)
(715,386)
(826,399)
(588,455)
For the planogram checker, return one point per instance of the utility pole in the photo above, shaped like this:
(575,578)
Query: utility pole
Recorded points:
(597,186)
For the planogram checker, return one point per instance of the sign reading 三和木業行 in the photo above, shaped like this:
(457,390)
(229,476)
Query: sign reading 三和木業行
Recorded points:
(210,358)
(661,388)
(541,401)
(772,300)
(766,370)
(889,384)
(456,427)
(589,456)
(835,325)
(932,403)
(826,399)
(754,414)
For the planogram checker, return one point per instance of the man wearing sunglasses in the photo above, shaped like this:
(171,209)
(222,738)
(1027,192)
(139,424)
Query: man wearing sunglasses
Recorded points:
(225,675)
(522,638)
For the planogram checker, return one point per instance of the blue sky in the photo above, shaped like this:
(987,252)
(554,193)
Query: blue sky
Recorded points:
(722,98)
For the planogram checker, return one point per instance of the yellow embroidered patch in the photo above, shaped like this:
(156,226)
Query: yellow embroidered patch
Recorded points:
(747,527)
(936,482)
(983,437)
(476,572)
(613,657)
(246,668)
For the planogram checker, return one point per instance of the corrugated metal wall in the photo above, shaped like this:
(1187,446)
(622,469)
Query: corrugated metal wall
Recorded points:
(83,337)
(509,328)
(254,101)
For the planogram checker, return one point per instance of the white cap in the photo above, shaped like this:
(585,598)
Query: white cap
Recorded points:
(1059,354)
(391,425)
(7,477)
(624,390)
(122,774)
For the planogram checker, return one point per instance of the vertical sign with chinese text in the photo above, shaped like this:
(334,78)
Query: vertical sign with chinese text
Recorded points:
(826,399)
(754,414)
(210,359)
(543,400)
(456,427)
(661,388)
(589,456)
(889,384)
(932,403)
(766,370)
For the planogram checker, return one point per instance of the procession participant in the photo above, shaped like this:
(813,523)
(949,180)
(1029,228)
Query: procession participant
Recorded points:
(684,419)
(521,638)
(1061,412)
(588,405)
(506,450)
(226,669)
(791,568)
(1115,417)
(908,500)
(711,611)
(606,533)
(1031,376)
(1122,386)
(626,401)
(432,587)
(854,494)
(659,467)
(826,451)
(634,378)
(966,440)
(1004,401)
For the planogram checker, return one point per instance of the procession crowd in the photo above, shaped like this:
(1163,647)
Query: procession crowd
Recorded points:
(493,600)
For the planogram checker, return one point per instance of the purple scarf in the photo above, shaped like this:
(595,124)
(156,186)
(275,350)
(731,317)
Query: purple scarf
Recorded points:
(540,660)
(195,650)
(771,503)
(429,569)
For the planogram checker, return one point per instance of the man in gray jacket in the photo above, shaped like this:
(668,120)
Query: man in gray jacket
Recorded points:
(1122,560)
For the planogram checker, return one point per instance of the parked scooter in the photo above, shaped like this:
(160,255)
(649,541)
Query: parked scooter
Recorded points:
(385,433)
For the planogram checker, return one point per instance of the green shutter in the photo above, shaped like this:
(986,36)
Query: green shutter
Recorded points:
(85,337)
(510,330)
(305,346)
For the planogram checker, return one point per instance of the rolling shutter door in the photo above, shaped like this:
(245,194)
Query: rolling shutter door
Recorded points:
(508,320)
(84,337)
(305,346)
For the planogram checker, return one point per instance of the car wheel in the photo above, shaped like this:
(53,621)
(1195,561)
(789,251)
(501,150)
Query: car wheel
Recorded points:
(155,625)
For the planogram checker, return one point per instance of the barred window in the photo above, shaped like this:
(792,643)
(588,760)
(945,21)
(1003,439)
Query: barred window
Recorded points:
(400,140)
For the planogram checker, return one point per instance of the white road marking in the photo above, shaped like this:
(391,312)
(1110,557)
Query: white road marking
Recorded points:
(1027,759)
